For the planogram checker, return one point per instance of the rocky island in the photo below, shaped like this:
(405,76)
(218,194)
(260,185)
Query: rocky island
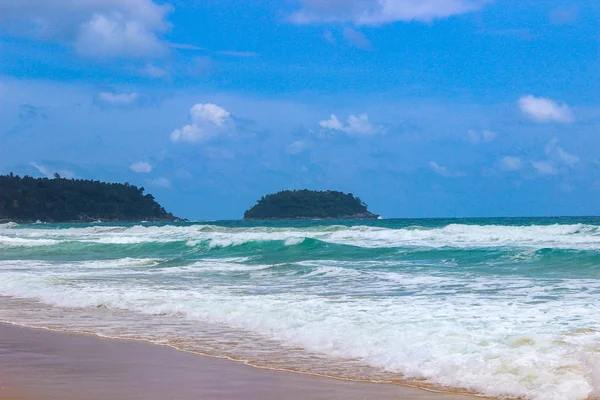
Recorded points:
(26,199)
(309,204)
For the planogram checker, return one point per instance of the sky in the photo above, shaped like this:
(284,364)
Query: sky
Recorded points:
(422,108)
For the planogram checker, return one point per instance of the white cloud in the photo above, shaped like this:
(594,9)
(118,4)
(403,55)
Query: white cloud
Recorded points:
(544,167)
(361,126)
(543,109)
(211,113)
(99,28)
(118,99)
(370,12)
(187,46)
(356,38)
(105,36)
(444,171)
(558,160)
(153,71)
(510,163)
(159,182)
(332,123)
(188,133)
(141,167)
(485,136)
(207,121)
(557,153)
(64,173)
(356,125)
(296,147)
(43,170)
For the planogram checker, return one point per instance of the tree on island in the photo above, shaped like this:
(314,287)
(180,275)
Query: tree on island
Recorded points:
(30,199)
(309,204)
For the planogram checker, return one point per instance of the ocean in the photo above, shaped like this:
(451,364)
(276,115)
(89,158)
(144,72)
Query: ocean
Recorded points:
(498,307)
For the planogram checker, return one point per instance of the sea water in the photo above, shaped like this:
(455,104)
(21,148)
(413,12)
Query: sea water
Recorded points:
(499,307)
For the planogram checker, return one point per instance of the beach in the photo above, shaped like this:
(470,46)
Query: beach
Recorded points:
(42,364)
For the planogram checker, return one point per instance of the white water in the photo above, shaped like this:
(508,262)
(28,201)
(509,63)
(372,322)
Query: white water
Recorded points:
(499,334)
(573,236)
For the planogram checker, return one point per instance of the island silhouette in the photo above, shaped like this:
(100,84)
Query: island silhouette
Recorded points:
(309,204)
(26,199)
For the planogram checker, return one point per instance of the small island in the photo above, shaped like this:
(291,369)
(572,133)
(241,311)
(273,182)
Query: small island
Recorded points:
(309,204)
(26,199)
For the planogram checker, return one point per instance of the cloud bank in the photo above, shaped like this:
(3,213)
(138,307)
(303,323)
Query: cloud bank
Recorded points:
(95,28)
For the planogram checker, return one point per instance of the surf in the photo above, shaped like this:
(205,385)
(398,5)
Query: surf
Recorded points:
(490,308)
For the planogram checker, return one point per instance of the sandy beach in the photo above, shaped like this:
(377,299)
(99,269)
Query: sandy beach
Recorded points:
(40,364)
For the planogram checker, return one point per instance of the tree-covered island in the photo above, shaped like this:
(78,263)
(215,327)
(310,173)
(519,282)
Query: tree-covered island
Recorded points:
(309,204)
(26,199)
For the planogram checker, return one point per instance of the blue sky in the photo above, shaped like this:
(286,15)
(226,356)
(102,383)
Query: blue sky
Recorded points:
(423,108)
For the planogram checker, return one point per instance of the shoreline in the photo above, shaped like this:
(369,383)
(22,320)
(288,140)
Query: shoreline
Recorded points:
(92,221)
(43,363)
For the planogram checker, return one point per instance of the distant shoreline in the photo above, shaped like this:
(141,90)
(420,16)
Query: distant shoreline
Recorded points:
(92,221)
(356,217)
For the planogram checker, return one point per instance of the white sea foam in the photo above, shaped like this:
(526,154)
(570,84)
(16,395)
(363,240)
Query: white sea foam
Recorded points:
(574,236)
(503,336)
(24,242)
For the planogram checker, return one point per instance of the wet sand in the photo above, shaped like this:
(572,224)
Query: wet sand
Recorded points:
(40,364)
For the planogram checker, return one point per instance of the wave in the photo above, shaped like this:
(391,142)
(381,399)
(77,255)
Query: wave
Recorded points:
(501,336)
(25,242)
(573,236)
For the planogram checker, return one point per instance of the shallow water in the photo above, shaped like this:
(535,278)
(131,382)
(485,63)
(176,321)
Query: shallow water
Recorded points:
(501,307)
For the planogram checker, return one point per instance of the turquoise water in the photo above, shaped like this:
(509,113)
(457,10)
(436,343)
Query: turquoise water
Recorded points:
(501,307)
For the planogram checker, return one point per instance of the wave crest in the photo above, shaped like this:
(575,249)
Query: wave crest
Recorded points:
(463,236)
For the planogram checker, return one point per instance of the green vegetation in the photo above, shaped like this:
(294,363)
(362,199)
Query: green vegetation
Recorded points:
(30,199)
(309,204)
